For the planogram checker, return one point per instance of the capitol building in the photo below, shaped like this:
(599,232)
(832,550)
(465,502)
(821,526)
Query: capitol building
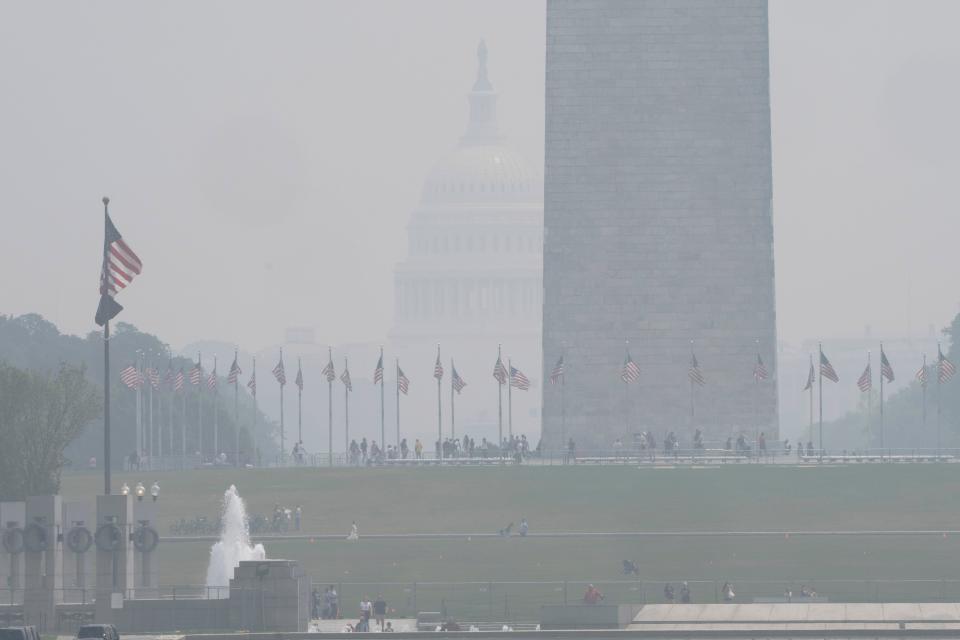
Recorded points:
(472,280)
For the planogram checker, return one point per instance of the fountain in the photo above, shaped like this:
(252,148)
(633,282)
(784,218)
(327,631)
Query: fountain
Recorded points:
(233,546)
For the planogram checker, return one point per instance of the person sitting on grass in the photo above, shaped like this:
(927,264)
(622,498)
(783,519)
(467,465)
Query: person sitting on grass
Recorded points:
(630,568)
(505,532)
(592,595)
(524,527)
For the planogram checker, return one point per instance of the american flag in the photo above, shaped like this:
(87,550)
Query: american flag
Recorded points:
(153,375)
(455,379)
(234,374)
(811,376)
(438,368)
(694,373)
(212,378)
(518,380)
(402,382)
(922,375)
(196,373)
(630,371)
(378,372)
(178,381)
(760,370)
(299,379)
(120,265)
(279,373)
(500,371)
(345,377)
(329,371)
(826,369)
(168,378)
(885,369)
(945,368)
(865,381)
(252,383)
(130,377)
(556,376)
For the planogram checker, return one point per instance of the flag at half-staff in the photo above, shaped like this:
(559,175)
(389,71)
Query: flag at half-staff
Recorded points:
(456,384)
(438,375)
(281,375)
(378,379)
(886,375)
(696,378)
(760,370)
(826,371)
(945,371)
(233,377)
(347,388)
(403,386)
(630,372)
(556,376)
(330,375)
(500,375)
(213,384)
(865,381)
(517,381)
(119,266)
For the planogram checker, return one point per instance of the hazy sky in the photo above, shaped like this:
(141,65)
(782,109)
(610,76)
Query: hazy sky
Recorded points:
(263,157)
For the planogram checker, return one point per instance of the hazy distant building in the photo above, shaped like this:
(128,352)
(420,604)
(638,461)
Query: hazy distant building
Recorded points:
(472,278)
(658,223)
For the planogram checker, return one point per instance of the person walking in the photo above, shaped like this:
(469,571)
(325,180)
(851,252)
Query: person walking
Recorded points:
(418,449)
(366,608)
(354,532)
(380,610)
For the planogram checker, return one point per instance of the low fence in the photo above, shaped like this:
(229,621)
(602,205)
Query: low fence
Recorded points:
(520,601)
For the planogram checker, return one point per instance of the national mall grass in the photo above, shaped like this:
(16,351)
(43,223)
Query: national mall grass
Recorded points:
(587,498)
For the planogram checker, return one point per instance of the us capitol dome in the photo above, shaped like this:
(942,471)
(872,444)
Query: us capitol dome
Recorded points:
(472,278)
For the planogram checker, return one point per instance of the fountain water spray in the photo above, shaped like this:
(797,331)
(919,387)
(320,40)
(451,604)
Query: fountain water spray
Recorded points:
(234,544)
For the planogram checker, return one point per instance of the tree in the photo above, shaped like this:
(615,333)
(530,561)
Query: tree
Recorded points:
(40,415)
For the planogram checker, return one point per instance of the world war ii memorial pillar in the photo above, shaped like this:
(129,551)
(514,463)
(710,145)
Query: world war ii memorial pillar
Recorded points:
(12,520)
(114,554)
(43,561)
(658,220)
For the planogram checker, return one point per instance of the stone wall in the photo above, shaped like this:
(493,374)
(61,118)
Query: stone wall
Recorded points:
(658,222)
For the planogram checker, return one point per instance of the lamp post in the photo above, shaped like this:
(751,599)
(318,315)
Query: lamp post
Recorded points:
(140,490)
(155,491)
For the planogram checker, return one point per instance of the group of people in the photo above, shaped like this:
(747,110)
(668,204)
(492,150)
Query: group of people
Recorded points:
(670,594)
(523,529)
(362,453)
(377,610)
(326,606)
(285,518)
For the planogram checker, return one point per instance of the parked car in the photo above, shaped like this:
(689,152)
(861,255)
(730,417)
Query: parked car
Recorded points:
(97,632)
(19,633)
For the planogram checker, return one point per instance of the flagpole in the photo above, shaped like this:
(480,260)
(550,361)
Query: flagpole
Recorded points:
(283,444)
(139,421)
(236,415)
(626,396)
(383,428)
(692,408)
(439,408)
(330,410)
(299,406)
(150,416)
(253,421)
(499,408)
(509,399)
(346,411)
(563,398)
(453,427)
(820,394)
(383,444)
(106,397)
(923,397)
(183,432)
(756,400)
(882,356)
(939,358)
(811,402)
(200,407)
(216,410)
(869,398)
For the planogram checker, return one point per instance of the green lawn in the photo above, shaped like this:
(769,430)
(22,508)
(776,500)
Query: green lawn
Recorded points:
(907,497)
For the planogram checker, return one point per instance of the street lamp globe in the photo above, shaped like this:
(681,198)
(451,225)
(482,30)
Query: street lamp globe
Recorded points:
(124,489)
(155,490)
(140,490)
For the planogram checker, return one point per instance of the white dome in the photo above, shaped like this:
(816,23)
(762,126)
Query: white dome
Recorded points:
(482,174)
